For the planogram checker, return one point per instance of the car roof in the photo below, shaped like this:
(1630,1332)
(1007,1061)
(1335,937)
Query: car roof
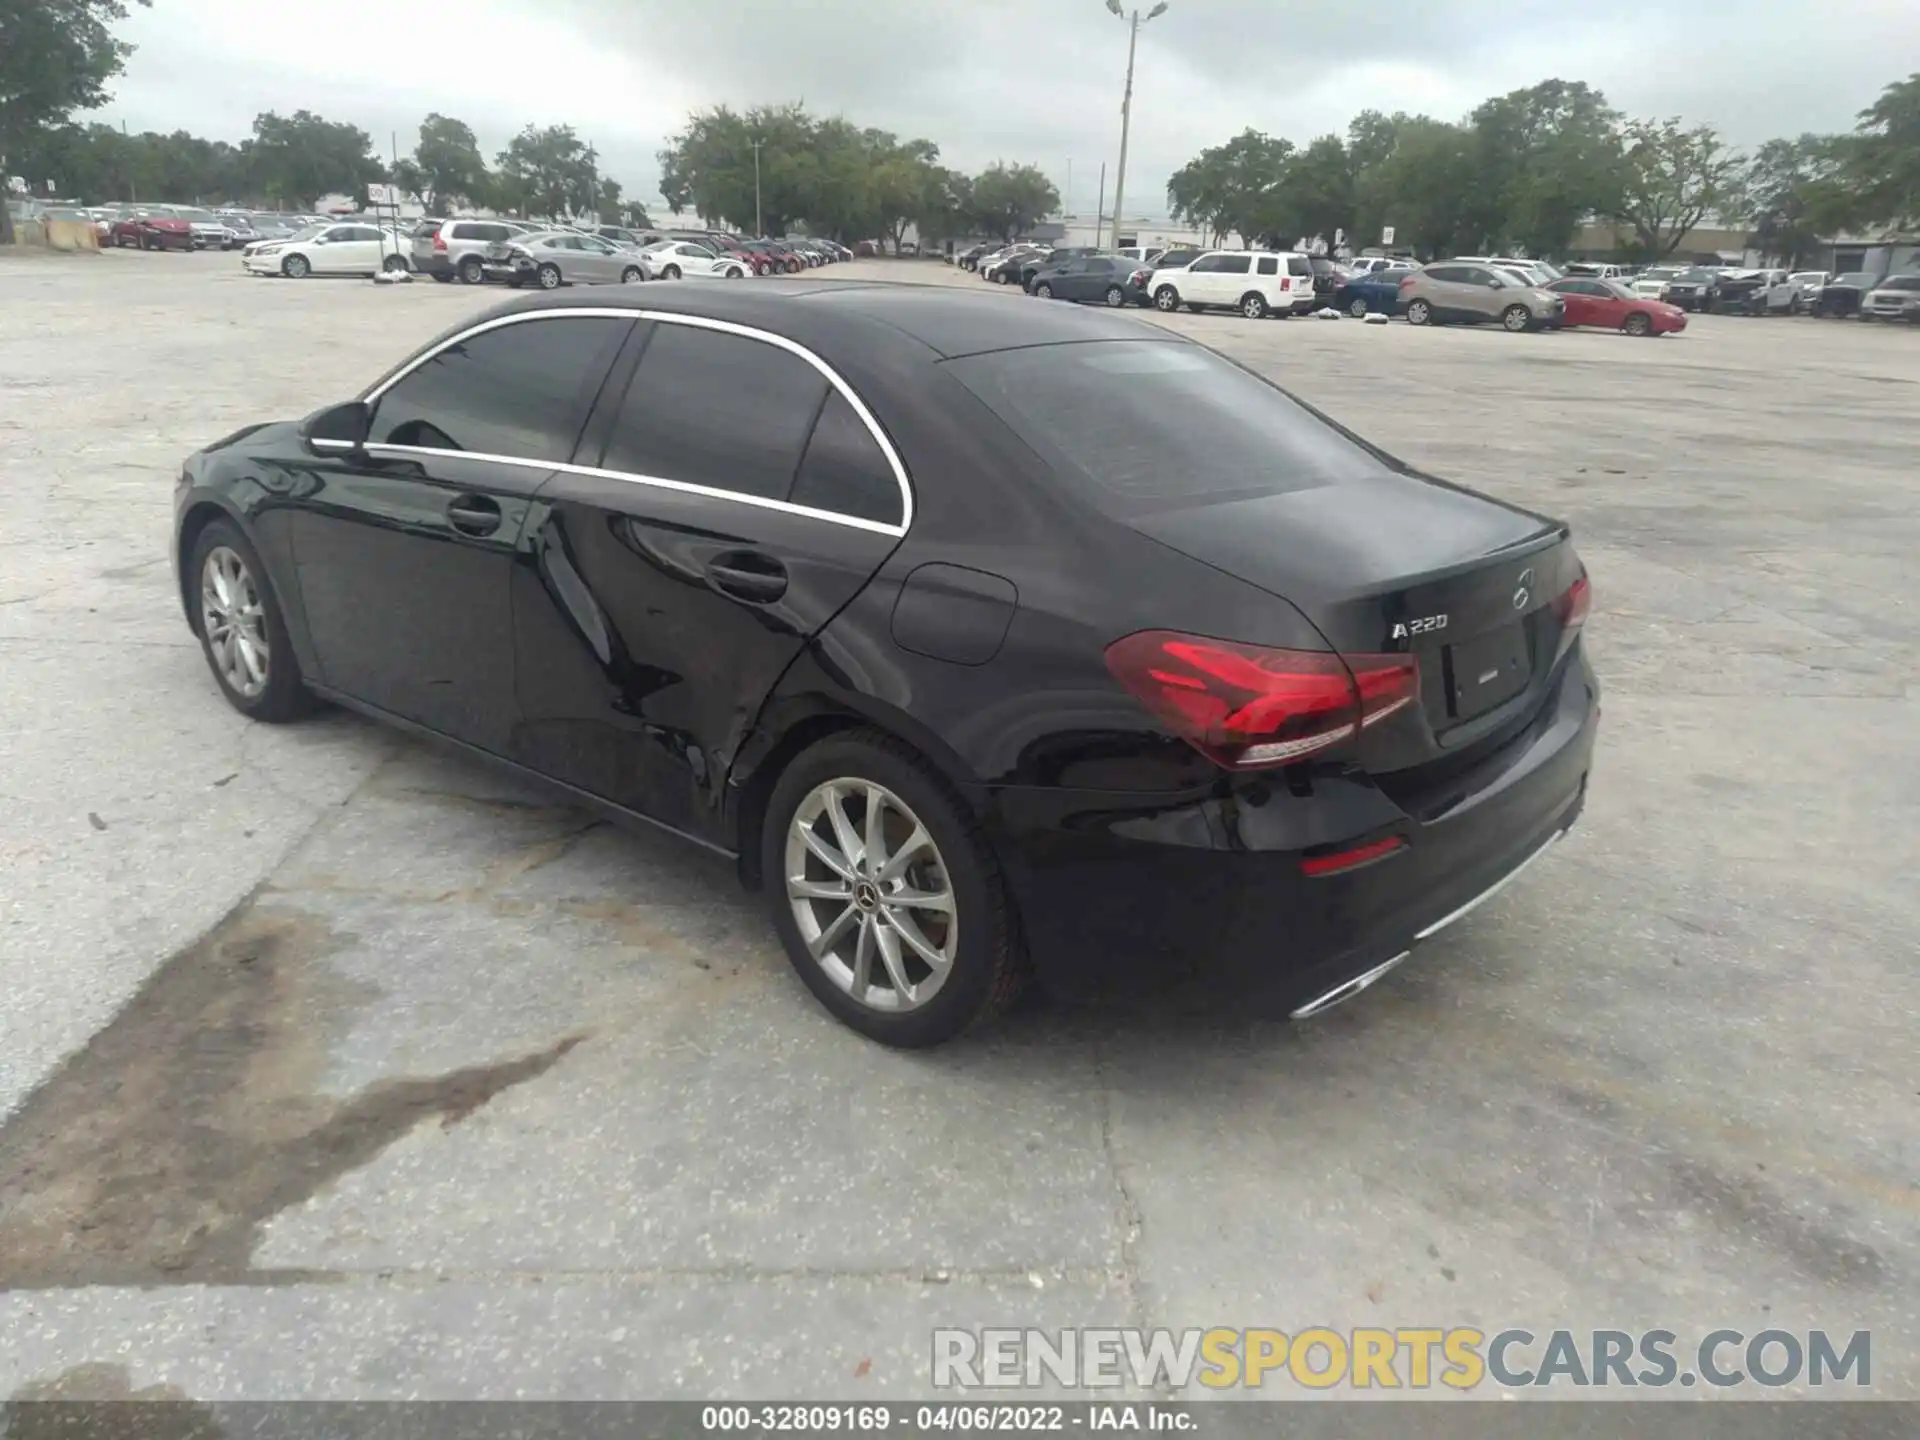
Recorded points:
(839,318)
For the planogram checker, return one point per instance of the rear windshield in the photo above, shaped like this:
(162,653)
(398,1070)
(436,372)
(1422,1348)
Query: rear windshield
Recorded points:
(1139,426)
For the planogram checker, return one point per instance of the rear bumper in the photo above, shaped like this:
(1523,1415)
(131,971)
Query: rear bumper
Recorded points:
(1123,894)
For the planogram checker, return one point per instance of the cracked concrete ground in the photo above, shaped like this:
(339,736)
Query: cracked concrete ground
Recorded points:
(333,1067)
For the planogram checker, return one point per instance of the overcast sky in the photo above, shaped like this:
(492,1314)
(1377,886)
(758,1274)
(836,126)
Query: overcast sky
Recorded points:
(1036,81)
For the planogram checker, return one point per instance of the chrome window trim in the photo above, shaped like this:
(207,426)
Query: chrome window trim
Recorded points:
(698,322)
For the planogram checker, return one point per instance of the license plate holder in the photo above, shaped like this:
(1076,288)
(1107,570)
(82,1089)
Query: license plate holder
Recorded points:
(1487,671)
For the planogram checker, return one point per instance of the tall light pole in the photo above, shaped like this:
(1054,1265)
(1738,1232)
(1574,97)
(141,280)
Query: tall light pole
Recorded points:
(1126,106)
(759,229)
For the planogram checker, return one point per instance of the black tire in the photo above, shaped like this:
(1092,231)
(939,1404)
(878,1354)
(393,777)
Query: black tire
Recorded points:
(632,275)
(989,966)
(470,270)
(1357,307)
(1166,299)
(296,267)
(1253,305)
(549,277)
(672,272)
(286,696)
(1419,312)
(443,278)
(1516,319)
(394,264)
(1638,323)
(1115,297)
(1043,290)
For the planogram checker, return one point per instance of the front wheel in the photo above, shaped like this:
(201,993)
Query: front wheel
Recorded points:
(241,628)
(296,267)
(1639,323)
(886,894)
(672,272)
(1253,306)
(1043,290)
(549,277)
(1419,312)
(394,264)
(1166,299)
(1115,297)
(631,275)
(1516,318)
(1357,308)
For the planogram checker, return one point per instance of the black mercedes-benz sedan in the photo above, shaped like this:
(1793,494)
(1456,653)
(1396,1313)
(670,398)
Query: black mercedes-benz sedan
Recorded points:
(982,637)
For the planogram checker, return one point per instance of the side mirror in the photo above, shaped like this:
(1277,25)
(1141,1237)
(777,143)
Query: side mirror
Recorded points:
(338,427)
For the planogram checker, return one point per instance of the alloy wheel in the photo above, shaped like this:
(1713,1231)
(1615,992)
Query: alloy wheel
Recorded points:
(871,895)
(235,622)
(1116,297)
(1358,309)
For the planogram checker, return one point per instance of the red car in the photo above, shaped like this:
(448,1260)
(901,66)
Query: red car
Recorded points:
(151,229)
(1610,305)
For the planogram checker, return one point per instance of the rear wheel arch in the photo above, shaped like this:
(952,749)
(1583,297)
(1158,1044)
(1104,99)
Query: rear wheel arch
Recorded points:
(822,718)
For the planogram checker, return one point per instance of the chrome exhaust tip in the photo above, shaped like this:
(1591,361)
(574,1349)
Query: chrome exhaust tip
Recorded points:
(1346,989)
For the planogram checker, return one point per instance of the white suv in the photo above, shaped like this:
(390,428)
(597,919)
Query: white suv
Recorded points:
(1256,283)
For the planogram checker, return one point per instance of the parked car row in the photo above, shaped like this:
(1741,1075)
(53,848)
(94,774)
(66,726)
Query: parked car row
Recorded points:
(520,252)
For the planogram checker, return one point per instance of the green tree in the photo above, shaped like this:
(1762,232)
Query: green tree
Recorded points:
(1225,188)
(550,172)
(1546,157)
(446,167)
(56,57)
(708,167)
(1008,199)
(294,160)
(1671,177)
(1793,196)
(1313,196)
(1415,173)
(1882,160)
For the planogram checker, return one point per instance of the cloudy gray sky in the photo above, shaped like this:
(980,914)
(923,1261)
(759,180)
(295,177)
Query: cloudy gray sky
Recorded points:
(1022,80)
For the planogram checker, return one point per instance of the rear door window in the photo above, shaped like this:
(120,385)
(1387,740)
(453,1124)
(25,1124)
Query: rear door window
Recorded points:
(845,470)
(715,409)
(519,392)
(1210,432)
(1235,264)
(1269,264)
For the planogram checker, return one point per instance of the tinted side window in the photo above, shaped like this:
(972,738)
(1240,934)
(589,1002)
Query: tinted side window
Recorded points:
(845,470)
(1269,264)
(709,408)
(1236,264)
(1448,274)
(1208,264)
(519,391)
(1297,265)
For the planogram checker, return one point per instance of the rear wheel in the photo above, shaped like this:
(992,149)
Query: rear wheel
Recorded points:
(672,272)
(470,270)
(1357,308)
(1043,290)
(242,631)
(1253,305)
(394,264)
(1116,297)
(1638,323)
(1516,318)
(1419,312)
(886,894)
(631,275)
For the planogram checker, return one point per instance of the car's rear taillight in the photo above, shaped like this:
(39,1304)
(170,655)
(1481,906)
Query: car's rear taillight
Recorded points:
(1405,281)
(1248,707)
(1571,609)
(439,243)
(1286,282)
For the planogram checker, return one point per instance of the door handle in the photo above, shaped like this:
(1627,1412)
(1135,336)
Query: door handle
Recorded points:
(474,515)
(748,575)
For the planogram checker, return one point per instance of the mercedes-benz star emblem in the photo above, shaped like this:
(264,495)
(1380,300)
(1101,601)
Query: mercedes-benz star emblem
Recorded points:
(1523,589)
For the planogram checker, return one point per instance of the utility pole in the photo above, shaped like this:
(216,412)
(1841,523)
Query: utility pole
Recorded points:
(1100,205)
(759,226)
(1126,108)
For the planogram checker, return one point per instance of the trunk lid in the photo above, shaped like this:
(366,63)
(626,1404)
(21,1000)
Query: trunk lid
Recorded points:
(1397,564)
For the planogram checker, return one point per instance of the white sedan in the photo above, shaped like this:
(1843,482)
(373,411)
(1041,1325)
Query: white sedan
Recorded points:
(673,259)
(345,249)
